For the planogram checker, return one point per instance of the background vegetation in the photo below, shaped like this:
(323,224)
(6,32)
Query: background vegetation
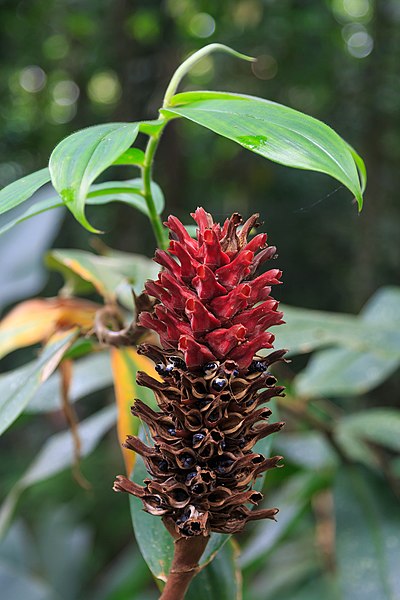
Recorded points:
(65,65)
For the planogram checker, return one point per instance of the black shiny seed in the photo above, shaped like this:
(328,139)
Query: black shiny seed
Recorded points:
(163,465)
(257,366)
(235,372)
(218,383)
(223,445)
(159,368)
(171,431)
(169,368)
(197,489)
(186,531)
(223,464)
(182,519)
(211,366)
(190,476)
(187,460)
(197,438)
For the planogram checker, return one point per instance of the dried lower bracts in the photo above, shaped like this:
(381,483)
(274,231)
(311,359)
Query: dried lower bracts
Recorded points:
(212,313)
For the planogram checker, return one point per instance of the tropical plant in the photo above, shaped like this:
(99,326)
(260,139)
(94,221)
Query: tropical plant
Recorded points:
(88,344)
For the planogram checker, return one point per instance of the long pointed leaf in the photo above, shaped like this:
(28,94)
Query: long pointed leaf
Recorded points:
(18,191)
(56,455)
(80,158)
(19,386)
(125,363)
(35,320)
(274,131)
(367,537)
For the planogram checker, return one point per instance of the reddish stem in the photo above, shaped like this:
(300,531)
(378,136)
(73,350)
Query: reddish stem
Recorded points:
(185,565)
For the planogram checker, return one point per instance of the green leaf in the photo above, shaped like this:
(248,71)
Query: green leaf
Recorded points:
(56,455)
(291,500)
(314,590)
(376,353)
(341,372)
(220,580)
(307,449)
(113,276)
(367,537)
(36,209)
(90,374)
(306,330)
(18,387)
(80,158)
(274,131)
(17,192)
(154,541)
(293,562)
(127,192)
(377,425)
(132,156)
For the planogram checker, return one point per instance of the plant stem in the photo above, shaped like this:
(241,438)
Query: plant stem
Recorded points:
(184,567)
(155,220)
(185,67)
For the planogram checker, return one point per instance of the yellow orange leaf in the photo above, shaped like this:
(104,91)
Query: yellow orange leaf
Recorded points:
(36,320)
(125,363)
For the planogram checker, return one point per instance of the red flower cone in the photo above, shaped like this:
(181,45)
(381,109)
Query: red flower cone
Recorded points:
(212,313)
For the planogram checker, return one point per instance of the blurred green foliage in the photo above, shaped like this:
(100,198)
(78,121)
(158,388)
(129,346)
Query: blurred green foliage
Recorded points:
(65,65)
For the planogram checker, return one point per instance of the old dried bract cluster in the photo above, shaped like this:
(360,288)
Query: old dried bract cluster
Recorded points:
(211,314)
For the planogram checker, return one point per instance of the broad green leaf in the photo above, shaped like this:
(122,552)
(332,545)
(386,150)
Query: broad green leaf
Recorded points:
(127,578)
(56,455)
(383,307)
(316,589)
(343,372)
(89,374)
(70,540)
(80,158)
(307,449)
(377,425)
(126,362)
(113,275)
(274,131)
(291,500)
(36,209)
(367,537)
(132,156)
(61,564)
(35,320)
(18,387)
(306,330)
(17,192)
(58,452)
(126,192)
(293,562)
(154,541)
(220,580)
